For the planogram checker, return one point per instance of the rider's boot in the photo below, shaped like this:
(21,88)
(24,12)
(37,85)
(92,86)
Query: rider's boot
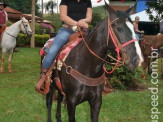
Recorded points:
(41,85)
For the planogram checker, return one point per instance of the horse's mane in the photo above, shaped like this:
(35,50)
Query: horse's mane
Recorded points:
(90,32)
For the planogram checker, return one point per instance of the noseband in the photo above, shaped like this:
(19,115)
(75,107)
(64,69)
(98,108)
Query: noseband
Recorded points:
(25,27)
(117,44)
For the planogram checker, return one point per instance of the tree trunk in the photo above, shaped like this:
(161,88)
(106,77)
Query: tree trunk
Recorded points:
(33,25)
(42,8)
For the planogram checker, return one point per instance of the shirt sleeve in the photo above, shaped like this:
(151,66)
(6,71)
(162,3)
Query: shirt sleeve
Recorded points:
(89,4)
(64,2)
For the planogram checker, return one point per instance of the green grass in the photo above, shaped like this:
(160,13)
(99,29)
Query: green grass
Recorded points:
(19,102)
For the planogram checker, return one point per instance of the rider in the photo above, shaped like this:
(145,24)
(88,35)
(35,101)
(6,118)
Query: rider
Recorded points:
(73,13)
(137,31)
(3,17)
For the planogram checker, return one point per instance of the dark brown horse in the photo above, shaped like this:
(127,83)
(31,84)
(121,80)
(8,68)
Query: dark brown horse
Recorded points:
(90,66)
(150,42)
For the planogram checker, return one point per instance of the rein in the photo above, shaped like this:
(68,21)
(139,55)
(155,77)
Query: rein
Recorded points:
(98,81)
(118,46)
(10,35)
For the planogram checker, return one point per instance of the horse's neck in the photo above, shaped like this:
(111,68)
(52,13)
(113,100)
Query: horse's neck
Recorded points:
(98,40)
(14,29)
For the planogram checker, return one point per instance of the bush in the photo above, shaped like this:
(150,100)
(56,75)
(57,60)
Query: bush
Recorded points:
(123,78)
(96,17)
(55,19)
(9,23)
(40,30)
(24,41)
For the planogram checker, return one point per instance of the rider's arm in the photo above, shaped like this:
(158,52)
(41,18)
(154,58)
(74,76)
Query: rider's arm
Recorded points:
(88,18)
(6,18)
(64,17)
(136,29)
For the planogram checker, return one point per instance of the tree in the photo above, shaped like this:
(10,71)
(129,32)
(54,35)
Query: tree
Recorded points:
(50,5)
(32,44)
(155,5)
(23,5)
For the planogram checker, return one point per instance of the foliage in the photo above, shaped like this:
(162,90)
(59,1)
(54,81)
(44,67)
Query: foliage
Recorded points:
(24,41)
(49,6)
(9,23)
(96,17)
(101,11)
(55,19)
(40,30)
(24,6)
(123,78)
(156,5)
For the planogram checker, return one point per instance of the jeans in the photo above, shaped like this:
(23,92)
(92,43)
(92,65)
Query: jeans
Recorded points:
(60,40)
(137,36)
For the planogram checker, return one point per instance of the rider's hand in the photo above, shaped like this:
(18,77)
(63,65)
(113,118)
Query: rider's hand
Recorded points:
(83,24)
(142,31)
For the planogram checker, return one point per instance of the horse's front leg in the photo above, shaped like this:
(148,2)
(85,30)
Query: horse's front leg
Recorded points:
(71,106)
(95,108)
(49,99)
(9,61)
(58,112)
(2,62)
(145,65)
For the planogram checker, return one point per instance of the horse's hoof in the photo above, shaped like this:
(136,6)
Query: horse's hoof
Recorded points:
(10,71)
(144,77)
(1,70)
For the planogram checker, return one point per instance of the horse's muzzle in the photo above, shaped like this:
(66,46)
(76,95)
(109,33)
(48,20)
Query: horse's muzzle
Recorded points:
(136,61)
(29,33)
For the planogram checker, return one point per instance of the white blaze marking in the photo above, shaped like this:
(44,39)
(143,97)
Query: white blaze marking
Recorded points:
(138,50)
(107,1)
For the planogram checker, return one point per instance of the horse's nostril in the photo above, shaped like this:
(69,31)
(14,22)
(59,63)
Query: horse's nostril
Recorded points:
(136,61)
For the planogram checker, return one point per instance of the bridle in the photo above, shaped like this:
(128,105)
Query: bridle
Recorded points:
(25,27)
(19,27)
(117,44)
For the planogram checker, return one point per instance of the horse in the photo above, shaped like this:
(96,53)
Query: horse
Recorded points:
(8,41)
(88,58)
(149,43)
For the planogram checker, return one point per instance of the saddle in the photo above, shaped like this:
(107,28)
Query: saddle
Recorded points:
(43,87)
(2,29)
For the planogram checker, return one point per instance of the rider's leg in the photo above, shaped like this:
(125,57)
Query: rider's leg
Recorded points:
(60,39)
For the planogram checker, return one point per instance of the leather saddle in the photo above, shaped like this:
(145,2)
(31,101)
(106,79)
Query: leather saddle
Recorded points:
(2,29)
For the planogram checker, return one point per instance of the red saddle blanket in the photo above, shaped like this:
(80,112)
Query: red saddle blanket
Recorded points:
(64,52)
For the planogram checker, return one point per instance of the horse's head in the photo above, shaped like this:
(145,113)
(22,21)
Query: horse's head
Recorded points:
(123,29)
(25,27)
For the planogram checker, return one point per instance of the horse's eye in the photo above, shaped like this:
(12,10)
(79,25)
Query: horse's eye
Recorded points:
(26,25)
(120,29)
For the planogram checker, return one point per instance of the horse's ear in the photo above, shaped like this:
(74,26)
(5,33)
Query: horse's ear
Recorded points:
(112,12)
(130,10)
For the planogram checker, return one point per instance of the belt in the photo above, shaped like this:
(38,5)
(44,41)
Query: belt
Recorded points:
(74,28)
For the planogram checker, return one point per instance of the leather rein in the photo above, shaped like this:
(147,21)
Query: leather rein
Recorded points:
(98,81)
(118,46)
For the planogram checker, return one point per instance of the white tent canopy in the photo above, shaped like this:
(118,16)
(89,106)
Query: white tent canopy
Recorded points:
(143,16)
